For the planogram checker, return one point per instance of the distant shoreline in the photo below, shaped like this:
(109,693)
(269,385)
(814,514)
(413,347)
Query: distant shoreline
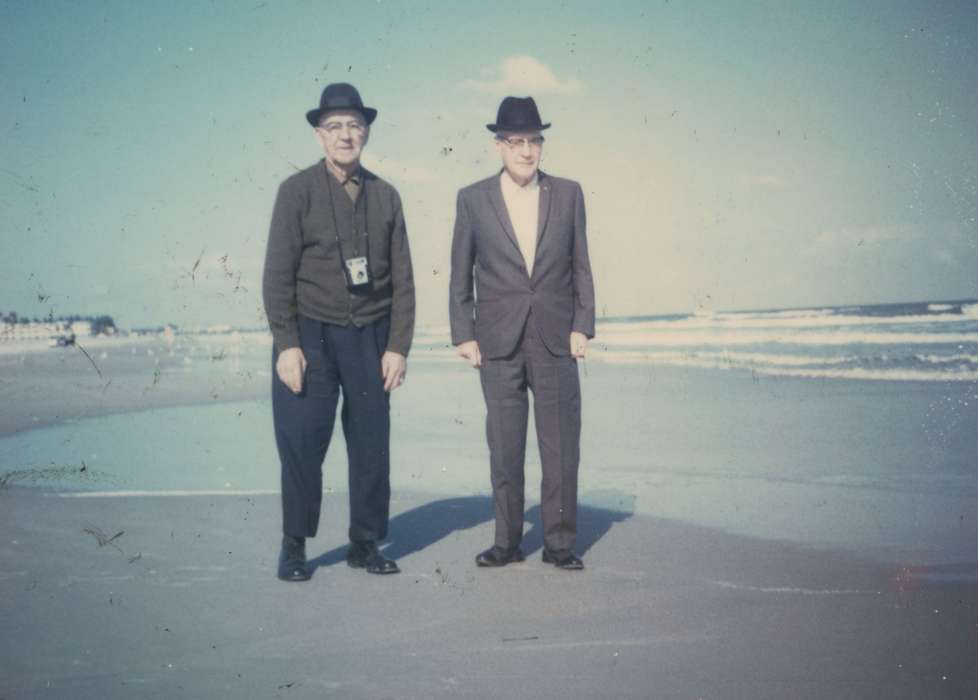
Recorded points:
(102,341)
(97,341)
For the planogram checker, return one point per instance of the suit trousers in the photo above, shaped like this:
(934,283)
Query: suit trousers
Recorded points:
(347,359)
(556,391)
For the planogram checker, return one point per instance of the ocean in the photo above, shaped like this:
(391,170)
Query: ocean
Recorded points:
(918,341)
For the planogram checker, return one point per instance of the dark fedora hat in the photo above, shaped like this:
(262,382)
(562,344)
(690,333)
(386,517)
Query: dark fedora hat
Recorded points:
(340,96)
(517,114)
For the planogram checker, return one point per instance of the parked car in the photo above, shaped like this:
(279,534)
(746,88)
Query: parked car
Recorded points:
(62,340)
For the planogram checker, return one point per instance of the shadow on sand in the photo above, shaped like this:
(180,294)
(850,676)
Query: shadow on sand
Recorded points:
(424,526)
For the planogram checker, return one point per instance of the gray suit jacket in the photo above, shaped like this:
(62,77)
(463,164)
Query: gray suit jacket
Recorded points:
(491,293)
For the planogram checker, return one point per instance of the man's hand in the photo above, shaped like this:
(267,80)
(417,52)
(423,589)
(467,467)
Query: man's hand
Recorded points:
(470,351)
(578,345)
(290,368)
(394,368)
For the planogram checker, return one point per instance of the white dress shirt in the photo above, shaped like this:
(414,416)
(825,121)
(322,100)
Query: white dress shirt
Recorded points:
(523,205)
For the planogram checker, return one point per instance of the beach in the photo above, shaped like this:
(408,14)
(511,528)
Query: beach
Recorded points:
(766,212)
(47,386)
(745,536)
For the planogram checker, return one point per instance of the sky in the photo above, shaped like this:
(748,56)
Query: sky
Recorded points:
(733,155)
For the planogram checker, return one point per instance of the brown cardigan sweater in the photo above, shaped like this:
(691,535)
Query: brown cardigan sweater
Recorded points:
(303,273)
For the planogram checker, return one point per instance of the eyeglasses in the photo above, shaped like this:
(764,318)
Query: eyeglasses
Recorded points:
(334,128)
(519,141)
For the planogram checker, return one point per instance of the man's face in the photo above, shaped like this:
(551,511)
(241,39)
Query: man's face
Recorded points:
(520,151)
(342,133)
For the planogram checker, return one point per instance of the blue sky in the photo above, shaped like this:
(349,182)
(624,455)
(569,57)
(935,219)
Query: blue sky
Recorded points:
(733,155)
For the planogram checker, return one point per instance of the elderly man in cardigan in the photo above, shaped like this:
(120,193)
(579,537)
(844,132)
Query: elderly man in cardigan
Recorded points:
(522,310)
(339,295)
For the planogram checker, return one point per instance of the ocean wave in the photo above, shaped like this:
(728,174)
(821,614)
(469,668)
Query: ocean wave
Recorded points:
(718,359)
(849,367)
(750,358)
(718,337)
(894,374)
(775,315)
(790,321)
(948,359)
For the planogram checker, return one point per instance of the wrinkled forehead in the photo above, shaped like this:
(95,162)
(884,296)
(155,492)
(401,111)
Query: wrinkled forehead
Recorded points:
(342,116)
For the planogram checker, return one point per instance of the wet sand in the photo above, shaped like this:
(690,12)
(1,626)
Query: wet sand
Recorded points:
(184,602)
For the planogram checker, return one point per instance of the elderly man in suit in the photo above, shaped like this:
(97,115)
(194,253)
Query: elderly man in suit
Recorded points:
(522,311)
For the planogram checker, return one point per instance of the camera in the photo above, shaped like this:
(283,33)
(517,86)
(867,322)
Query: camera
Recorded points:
(357,272)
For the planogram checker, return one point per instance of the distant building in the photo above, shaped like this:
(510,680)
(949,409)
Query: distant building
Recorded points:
(80,328)
(24,332)
(219,328)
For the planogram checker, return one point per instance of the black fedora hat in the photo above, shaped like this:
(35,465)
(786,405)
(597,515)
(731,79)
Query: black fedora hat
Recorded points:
(340,96)
(517,114)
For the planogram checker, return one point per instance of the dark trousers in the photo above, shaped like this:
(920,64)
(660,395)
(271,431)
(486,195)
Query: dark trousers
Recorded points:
(347,359)
(557,412)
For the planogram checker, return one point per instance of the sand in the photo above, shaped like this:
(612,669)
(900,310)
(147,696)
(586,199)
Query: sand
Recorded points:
(184,602)
(45,386)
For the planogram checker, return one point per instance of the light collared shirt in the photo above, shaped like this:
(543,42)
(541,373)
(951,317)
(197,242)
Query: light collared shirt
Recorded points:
(523,205)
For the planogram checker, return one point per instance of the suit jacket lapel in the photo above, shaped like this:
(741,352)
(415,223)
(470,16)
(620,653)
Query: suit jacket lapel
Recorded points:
(496,197)
(545,196)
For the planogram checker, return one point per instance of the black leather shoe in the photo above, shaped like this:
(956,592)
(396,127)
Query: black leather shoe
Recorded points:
(292,560)
(499,556)
(365,555)
(566,560)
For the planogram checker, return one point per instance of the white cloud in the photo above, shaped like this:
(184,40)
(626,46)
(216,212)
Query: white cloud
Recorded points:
(523,75)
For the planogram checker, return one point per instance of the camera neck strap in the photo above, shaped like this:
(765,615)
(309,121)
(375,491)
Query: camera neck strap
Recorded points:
(353,219)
